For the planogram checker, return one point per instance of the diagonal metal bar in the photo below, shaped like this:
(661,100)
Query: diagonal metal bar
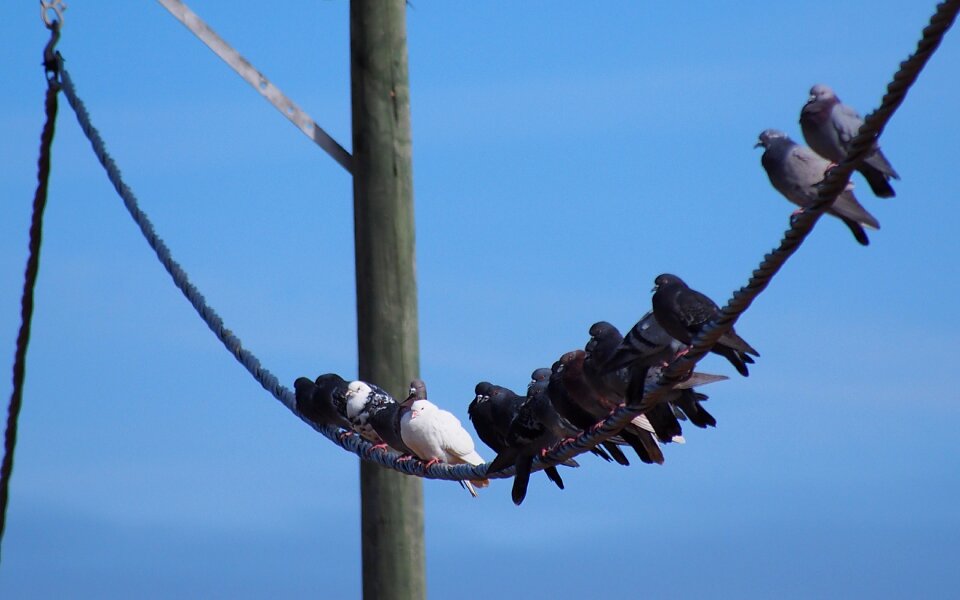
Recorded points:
(259,81)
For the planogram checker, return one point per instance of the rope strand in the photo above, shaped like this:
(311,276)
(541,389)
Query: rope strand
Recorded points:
(30,277)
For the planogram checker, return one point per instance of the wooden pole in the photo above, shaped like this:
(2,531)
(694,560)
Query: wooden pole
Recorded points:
(391,503)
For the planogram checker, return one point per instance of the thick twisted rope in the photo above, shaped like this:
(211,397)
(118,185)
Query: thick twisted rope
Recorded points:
(834,183)
(30,275)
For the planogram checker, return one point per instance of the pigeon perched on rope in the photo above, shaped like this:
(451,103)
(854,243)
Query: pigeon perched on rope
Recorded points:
(683,312)
(829,127)
(322,401)
(524,437)
(575,399)
(542,406)
(796,171)
(436,435)
(619,386)
(375,415)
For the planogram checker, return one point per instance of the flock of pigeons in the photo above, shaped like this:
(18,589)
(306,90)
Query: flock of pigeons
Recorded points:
(575,394)
(585,386)
(829,126)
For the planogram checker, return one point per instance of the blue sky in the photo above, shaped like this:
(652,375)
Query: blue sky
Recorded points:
(565,153)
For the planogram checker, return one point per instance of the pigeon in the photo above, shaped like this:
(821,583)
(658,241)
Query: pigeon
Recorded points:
(318,401)
(613,387)
(436,435)
(494,408)
(524,437)
(568,379)
(375,415)
(683,312)
(829,126)
(795,171)
(576,415)
(645,345)
(490,430)
(539,402)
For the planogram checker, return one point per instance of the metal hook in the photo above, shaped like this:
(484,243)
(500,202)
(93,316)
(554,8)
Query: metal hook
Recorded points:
(57,6)
(50,57)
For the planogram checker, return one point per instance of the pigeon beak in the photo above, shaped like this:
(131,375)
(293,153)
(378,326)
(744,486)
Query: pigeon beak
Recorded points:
(758,144)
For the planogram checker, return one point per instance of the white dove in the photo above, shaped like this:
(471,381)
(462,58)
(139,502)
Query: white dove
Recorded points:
(436,435)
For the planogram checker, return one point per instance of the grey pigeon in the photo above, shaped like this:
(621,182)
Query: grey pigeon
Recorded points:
(375,415)
(829,126)
(795,171)
(322,401)
(683,312)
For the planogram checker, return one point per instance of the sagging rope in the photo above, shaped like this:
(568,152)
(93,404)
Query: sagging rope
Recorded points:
(32,270)
(832,186)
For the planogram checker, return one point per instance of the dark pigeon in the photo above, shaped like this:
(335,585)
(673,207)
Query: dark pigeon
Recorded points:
(683,312)
(571,412)
(614,388)
(645,345)
(795,171)
(322,401)
(491,431)
(516,440)
(829,127)
(568,378)
(541,405)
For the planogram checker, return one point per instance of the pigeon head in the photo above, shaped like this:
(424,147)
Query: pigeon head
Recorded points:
(767,137)
(540,374)
(418,391)
(600,329)
(666,279)
(482,390)
(570,359)
(356,398)
(332,382)
(821,93)
(421,407)
(304,390)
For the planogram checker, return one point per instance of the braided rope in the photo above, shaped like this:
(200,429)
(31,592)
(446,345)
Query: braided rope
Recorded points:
(834,183)
(30,275)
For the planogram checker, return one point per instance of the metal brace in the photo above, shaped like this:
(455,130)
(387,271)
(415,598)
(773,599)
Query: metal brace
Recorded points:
(57,6)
